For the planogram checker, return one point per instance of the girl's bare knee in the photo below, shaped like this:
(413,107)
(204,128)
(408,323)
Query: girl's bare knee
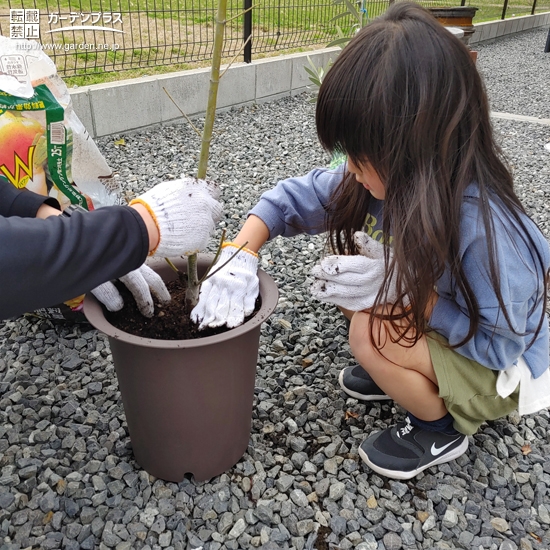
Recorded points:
(360,341)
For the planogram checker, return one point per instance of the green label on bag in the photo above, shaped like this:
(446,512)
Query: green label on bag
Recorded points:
(56,137)
(57,147)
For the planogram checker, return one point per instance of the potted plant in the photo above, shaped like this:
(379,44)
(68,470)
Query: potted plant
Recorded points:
(188,403)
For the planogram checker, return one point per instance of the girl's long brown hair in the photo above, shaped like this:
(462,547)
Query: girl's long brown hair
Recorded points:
(405,96)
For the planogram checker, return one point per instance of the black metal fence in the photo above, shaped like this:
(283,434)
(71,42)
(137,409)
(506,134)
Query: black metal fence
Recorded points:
(84,37)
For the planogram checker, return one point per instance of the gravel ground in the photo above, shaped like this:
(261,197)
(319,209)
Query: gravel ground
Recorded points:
(68,477)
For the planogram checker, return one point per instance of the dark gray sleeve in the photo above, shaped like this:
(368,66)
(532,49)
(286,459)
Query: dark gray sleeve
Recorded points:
(46,262)
(20,202)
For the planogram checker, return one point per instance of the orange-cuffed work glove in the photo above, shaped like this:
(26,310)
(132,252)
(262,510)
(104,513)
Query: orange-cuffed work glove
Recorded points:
(229,295)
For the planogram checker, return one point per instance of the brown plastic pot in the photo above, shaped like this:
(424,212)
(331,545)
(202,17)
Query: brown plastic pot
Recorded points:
(188,403)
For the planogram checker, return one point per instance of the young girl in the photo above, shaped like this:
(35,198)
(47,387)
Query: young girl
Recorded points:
(435,254)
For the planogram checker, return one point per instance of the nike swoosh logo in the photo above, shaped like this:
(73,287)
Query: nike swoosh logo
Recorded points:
(438,450)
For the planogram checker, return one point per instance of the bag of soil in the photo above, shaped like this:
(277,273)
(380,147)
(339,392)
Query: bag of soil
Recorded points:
(44,147)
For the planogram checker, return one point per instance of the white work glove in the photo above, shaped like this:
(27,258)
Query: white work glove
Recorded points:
(185,211)
(353,282)
(141,283)
(229,295)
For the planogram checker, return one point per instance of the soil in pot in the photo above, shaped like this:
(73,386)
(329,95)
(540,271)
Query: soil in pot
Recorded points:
(169,322)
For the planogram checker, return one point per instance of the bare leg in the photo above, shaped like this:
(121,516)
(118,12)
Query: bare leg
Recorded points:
(405,373)
(348,314)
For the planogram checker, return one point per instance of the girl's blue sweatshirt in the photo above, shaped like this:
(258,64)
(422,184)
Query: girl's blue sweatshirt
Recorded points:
(299,205)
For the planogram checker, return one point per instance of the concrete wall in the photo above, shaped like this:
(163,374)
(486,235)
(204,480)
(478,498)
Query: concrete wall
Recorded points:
(497,29)
(128,105)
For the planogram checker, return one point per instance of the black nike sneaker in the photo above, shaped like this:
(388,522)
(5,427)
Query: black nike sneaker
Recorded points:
(403,451)
(356,382)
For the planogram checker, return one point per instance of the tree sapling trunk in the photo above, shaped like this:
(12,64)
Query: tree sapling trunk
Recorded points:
(193,284)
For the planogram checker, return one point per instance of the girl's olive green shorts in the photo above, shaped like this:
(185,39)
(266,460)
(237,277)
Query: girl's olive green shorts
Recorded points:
(467,387)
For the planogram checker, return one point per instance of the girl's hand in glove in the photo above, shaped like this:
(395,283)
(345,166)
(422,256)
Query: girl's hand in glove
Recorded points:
(185,212)
(353,282)
(229,295)
(141,283)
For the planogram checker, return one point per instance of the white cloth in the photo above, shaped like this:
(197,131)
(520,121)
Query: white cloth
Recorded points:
(186,212)
(534,394)
(142,283)
(353,282)
(229,295)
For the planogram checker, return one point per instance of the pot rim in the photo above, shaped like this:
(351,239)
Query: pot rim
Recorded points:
(451,8)
(93,310)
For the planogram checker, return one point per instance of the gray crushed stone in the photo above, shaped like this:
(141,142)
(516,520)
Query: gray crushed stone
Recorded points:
(517,72)
(68,478)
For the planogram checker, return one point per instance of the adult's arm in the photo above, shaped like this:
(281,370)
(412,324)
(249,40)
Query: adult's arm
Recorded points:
(20,202)
(46,262)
